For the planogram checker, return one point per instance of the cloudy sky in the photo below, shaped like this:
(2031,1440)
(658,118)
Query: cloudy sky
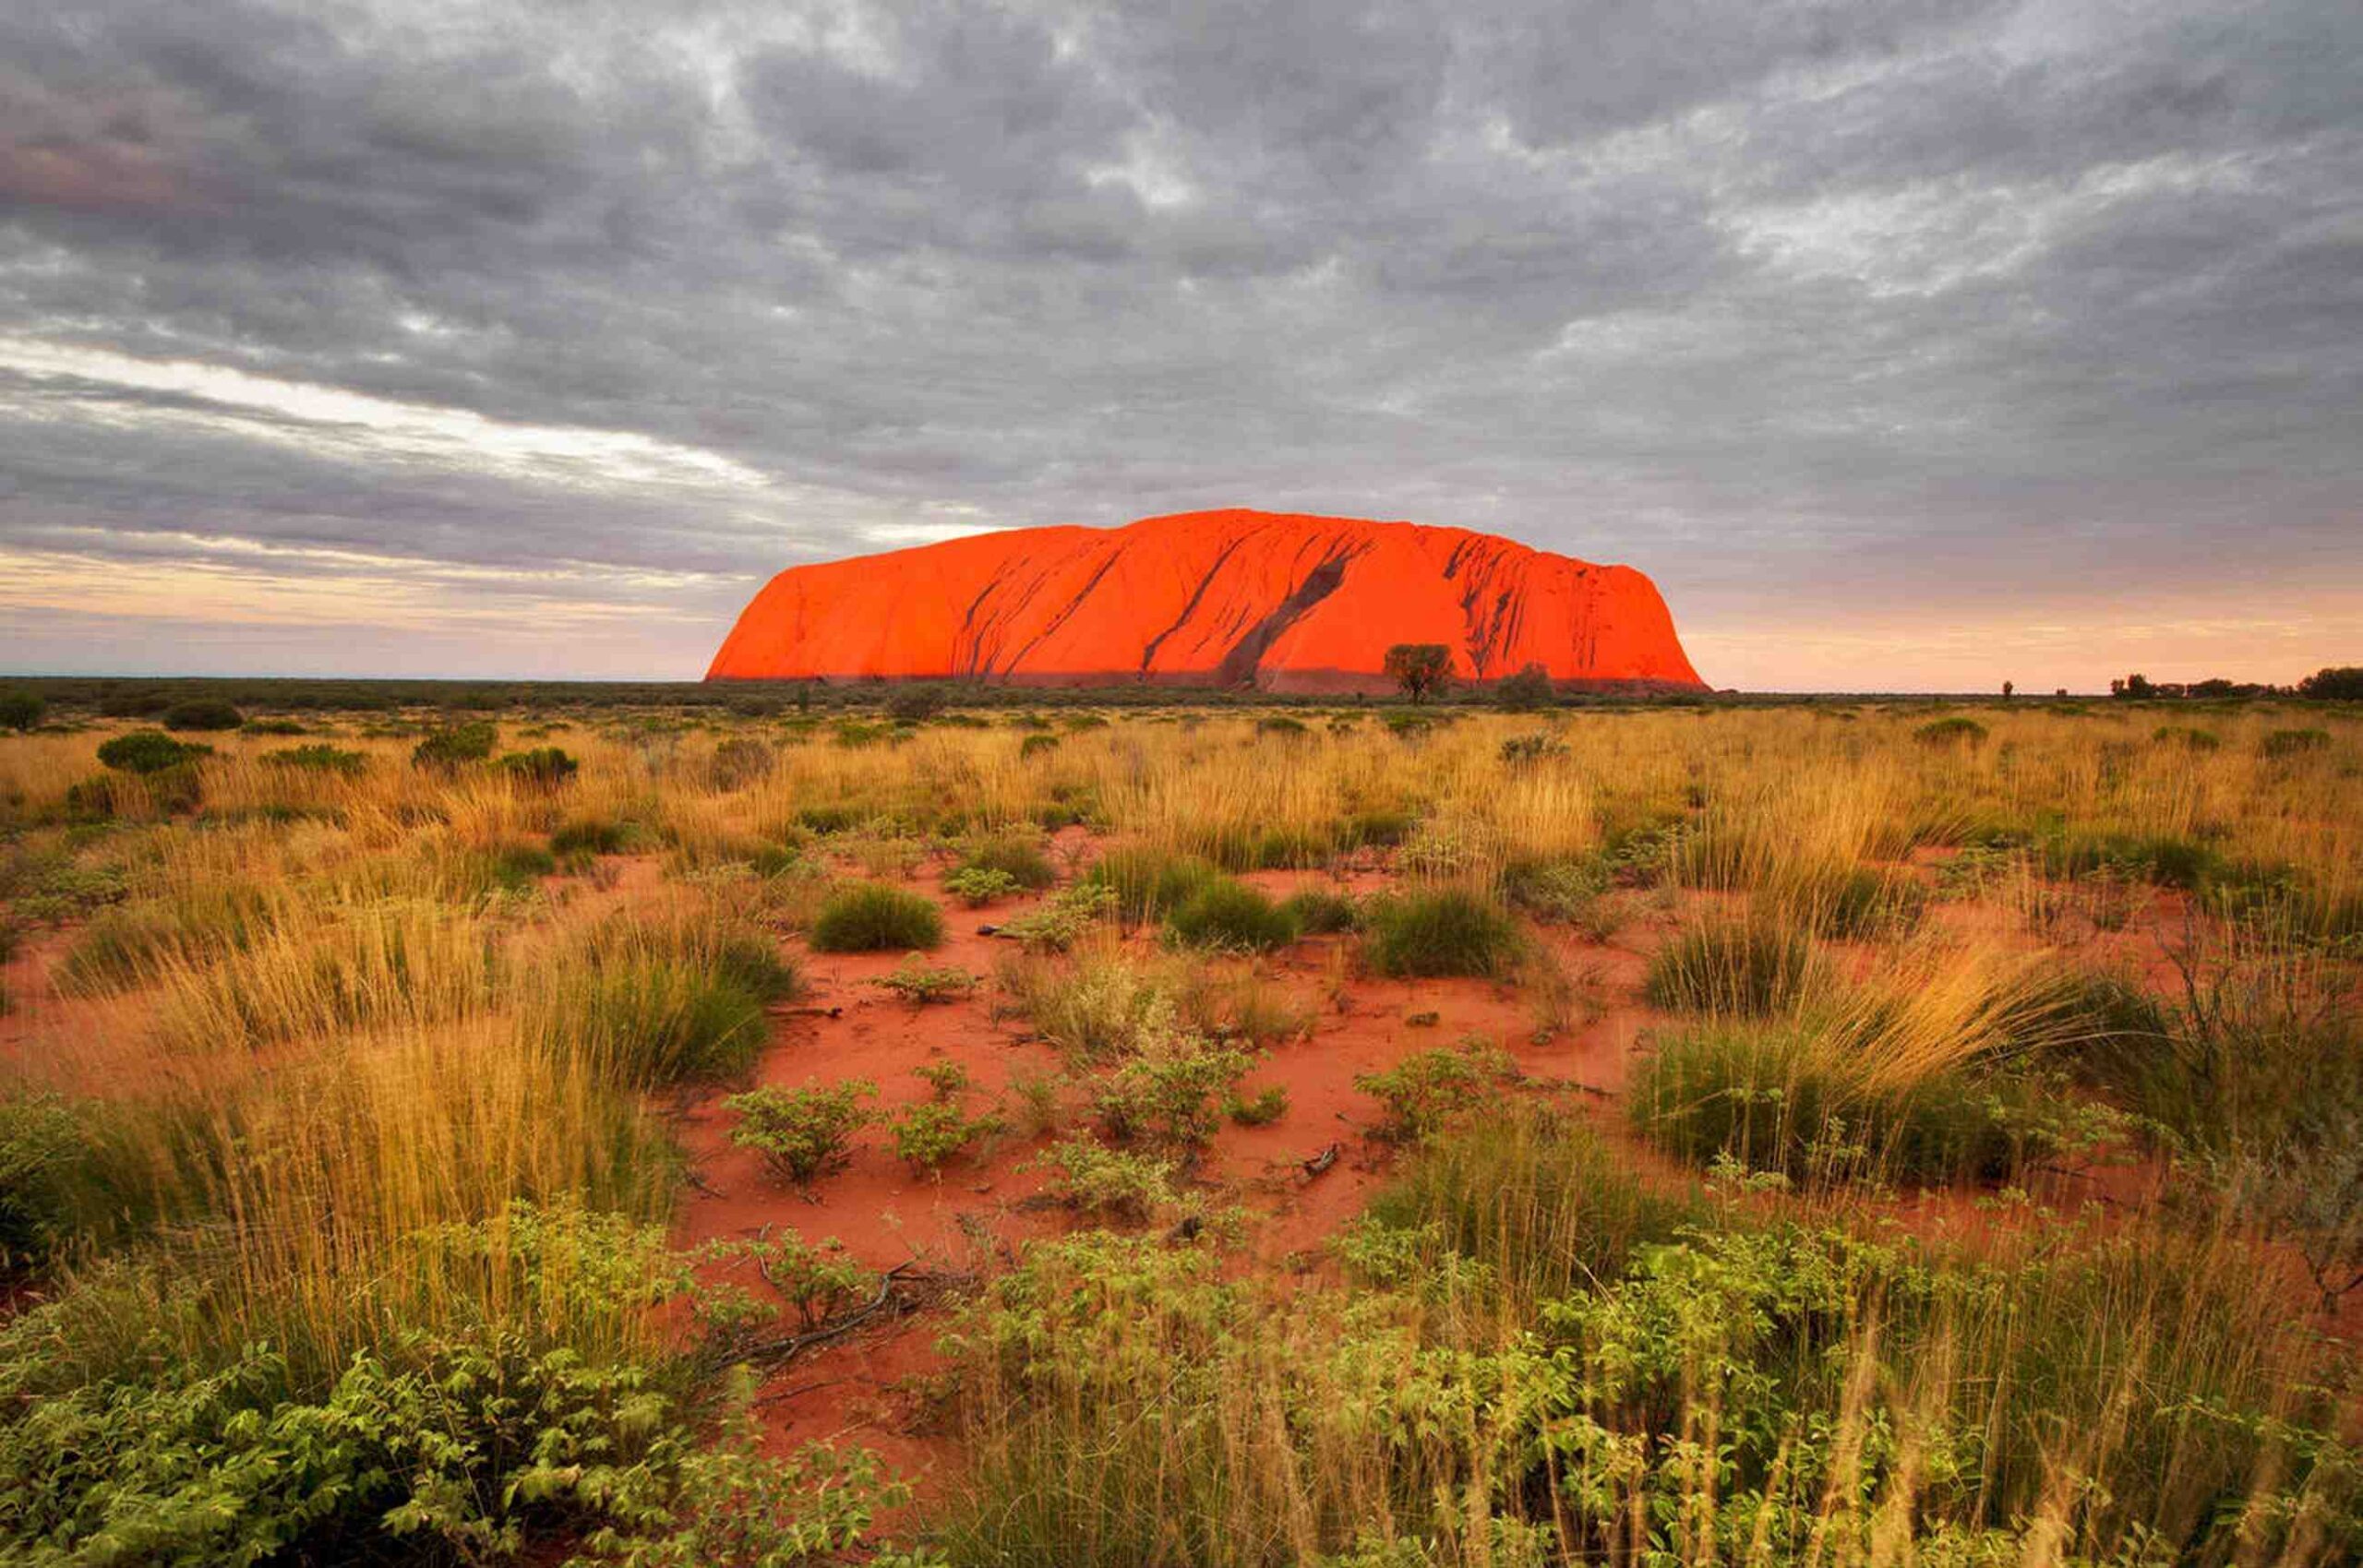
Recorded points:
(1905,345)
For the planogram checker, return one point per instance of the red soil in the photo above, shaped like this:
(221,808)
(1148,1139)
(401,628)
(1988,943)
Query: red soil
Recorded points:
(1279,601)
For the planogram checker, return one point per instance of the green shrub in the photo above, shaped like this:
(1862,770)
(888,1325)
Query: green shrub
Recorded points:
(1527,750)
(1282,726)
(1429,1089)
(1225,913)
(1170,1095)
(739,761)
(44,1157)
(1750,967)
(2184,735)
(876,917)
(1036,746)
(319,760)
(1059,921)
(1114,1183)
(150,751)
(579,837)
(802,1134)
(446,748)
(1561,892)
(1147,882)
(543,767)
(977,888)
(2281,744)
(927,1136)
(202,714)
(1439,931)
(1958,731)
(922,983)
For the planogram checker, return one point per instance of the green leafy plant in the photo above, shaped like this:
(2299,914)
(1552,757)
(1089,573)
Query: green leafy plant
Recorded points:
(22,710)
(920,983)
(802,1134)
(927,1136)
(979,886)
(1428,1089)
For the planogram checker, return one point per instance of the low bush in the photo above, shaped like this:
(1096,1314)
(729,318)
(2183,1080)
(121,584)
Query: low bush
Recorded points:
(202,714)
(1427,1090)
(1316,911)
(802,1134)
(927,1136)
(150,751)
(920,983)
(1437,932)
(1110,1183)
(446,748)
(876,917)
(2187,738)
(1752,967)
(543,767)
(1169,1095)
(1229,915)
(579,837)
(979,887)
(2282,744)
(1958,731)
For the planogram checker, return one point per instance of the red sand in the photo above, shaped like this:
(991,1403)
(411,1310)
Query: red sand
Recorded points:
(1282,601)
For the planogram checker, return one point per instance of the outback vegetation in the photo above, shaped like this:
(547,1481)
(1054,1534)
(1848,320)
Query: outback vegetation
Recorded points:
(781,1127)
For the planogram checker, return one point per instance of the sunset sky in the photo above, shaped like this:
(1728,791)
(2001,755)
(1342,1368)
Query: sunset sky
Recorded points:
(1908,346)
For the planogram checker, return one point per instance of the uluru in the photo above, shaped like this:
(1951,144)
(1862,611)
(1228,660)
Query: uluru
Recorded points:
(1280,602)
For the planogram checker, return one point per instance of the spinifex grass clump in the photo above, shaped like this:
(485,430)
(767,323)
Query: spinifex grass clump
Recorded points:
(1752,967)
(1147,882)
(1016,856)
(1227,914)
(1439,931)
(658,1000)
(876,917)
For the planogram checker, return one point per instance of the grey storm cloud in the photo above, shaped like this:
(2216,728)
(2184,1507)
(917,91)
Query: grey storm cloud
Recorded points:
(1810,310)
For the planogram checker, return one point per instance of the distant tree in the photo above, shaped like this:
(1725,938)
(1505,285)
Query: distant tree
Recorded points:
(2133,686)
(2340,683)
(1422,669)
(21,710)
(2007,689)
(1525,691)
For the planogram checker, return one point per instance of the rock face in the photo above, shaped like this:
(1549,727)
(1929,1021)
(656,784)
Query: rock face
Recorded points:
(1224,598)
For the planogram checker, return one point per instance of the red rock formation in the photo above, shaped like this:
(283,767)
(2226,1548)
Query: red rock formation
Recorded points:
(1231,598)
